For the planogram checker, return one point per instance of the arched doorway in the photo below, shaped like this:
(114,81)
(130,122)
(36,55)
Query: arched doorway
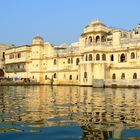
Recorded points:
(1,73)
(97,40)
(123,58)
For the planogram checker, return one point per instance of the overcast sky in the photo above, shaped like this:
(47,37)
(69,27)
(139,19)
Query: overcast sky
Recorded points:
(61,21)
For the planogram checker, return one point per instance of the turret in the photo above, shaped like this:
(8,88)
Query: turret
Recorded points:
(37,55)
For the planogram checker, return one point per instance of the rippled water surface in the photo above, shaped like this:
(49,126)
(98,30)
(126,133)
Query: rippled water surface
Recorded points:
(71,113)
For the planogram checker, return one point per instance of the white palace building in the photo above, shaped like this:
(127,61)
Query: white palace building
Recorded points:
(103,57)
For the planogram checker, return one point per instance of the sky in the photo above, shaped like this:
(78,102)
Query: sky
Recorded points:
(61,21)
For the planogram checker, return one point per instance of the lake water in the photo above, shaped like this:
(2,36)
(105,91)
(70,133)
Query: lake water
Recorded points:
(68,113)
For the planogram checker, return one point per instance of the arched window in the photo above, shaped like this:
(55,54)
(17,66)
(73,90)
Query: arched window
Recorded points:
(90,40)
(86,58)
(123,76)
(54,76)
(122,58)
(85,74)
(46,77)
(85,41)
(103,39)
(19,55)
(70,77)
(136,32)
(77,61)
(97,39)
(77,77)
(68,60)
(33,77)
(18,66)
(135,76)
(112,57)
(97,57)
(54,61)
(3,55)
(71,60)
(132,55)
(90,57)
(113,76)
(103,57)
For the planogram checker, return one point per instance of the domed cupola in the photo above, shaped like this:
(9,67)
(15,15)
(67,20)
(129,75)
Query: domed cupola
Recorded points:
(38,40)
(95,26)
(96,23)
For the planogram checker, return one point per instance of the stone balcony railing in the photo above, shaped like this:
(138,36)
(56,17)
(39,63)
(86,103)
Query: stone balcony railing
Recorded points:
(107,44)
(14,70)
(17,60)
(127,64)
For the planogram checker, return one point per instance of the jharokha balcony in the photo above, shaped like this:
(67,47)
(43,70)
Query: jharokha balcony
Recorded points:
(15,68)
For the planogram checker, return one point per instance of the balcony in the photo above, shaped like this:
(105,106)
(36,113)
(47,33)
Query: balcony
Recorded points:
(20,67)
(8,70)
(17,60)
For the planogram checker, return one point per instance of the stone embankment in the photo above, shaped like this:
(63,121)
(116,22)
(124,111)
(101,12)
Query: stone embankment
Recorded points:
(6,82)
(99,83)
(17,84)
(123,83)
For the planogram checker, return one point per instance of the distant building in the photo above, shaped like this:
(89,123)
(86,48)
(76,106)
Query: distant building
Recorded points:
(3,48)
(103,56)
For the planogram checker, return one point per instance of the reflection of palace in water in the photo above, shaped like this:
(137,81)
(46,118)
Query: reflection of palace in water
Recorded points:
(107,112)
(101,113)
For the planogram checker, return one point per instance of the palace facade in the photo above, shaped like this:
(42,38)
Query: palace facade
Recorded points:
(104,56)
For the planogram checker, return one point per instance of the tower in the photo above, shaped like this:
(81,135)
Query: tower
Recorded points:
(36,57)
